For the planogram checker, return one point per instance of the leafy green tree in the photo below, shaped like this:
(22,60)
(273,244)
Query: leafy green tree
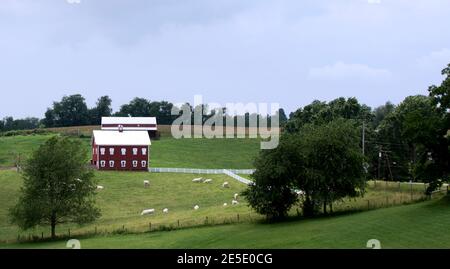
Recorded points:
(381,112)
(321,112)
(334,164)
(70,111)
(9,124)
(102,109)
(272,194)
(441,93)
(138,107)
(324,161)
(414,134)
(58,187)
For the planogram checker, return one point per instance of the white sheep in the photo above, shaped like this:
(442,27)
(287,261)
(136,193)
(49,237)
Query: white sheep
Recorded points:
(226,185)
(166,210)
(236,195)
(300,193)
(79,180)
(197,180)
(196,207)
(146,184)
(234,202)
(207,181)
(147,212)
(100,188)
(225,204)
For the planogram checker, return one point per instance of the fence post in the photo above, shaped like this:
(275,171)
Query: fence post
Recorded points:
(69,231)
(95,229)
(42,235)
(238,217)
(150,226)
(178,223)
(368,204)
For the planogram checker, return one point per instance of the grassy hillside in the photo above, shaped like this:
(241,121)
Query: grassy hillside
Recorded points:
(423,225)
(124,198)
(13,147)
(204,153)
(167,152)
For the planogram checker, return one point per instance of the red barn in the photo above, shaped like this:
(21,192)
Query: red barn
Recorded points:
(119,150)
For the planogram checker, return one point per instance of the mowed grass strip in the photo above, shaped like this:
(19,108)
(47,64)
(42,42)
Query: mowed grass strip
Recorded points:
(422,225)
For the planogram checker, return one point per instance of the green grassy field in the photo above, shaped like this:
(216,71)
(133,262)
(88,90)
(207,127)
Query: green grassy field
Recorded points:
(124,198)
(422,225)
(205,153)
(167,152)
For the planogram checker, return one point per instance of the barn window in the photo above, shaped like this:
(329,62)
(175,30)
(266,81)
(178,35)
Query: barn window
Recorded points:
(124,151)
(102,151)
(102,163)
(111,151)
(135,151)
(144,151)
(111,164)
(144,163)
(135,164)
(123,164)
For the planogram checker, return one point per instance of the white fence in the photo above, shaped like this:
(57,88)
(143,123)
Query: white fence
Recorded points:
(229,172)
(238,178)
(201,171)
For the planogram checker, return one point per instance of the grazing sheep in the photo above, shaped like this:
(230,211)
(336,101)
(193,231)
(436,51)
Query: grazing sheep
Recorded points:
(225,205)
(300,193)
(146,184)
(234,202)
(147,212)
(208,181)
(100,188)
(79,180)
(236,196)
(196,207)
(166,210)
(197,180)
(226,185)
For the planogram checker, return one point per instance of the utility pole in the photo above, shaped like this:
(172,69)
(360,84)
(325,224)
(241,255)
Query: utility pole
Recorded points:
(380,155)
(364,139)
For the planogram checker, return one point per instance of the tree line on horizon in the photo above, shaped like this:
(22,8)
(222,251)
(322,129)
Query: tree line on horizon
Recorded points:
(72,111)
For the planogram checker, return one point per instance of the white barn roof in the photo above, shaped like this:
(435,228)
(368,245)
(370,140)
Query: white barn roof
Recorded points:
(130,123)
(129,138)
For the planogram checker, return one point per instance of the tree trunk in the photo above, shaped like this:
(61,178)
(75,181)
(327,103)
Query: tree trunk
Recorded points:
(331,207)
(325,207)
(53,225)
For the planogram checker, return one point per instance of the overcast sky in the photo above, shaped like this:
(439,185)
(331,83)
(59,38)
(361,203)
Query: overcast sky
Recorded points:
(290,52)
